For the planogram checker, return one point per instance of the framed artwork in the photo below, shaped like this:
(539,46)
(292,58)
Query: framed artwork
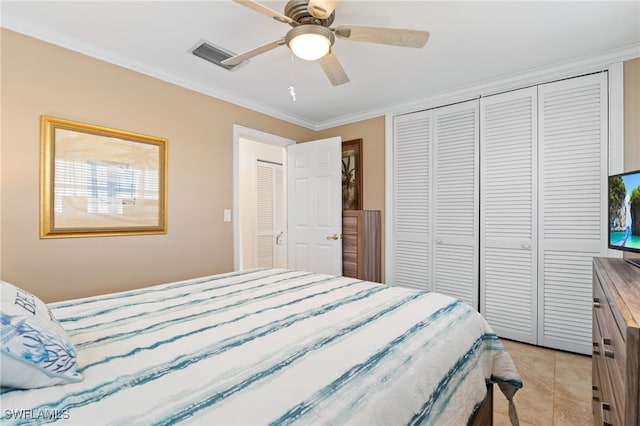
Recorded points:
(352,175)
(97,181)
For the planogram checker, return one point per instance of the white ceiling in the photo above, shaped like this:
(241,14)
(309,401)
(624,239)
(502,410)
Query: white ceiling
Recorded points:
(470,43)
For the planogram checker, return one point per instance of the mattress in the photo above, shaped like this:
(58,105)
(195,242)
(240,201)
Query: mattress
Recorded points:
(271,346)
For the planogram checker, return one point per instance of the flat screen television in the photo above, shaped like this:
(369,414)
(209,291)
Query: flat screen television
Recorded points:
(624,212)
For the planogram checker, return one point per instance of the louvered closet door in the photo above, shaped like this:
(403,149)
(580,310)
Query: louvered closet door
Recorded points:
(270,248)
(573,153)
(455,187)
(508,213)
(411,199)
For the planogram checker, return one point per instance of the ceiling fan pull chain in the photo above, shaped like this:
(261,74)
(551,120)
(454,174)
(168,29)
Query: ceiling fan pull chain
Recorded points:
(292,90)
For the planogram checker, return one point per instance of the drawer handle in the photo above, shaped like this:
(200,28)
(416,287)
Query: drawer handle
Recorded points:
(608,352)
(604,407)
(596,305)
(594,390)
(595,348)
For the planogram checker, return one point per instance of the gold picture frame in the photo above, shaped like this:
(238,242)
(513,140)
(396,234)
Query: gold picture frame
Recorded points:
(96,181)
(352,175)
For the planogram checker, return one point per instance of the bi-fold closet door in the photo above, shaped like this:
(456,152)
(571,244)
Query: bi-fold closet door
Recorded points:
(435,200)
(543,209)
(503,199)
(509,213)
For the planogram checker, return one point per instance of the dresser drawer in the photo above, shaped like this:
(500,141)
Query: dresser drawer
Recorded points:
(349,225)
(596,391)
(349,269)
(349,244)
(605,408)
(613,344)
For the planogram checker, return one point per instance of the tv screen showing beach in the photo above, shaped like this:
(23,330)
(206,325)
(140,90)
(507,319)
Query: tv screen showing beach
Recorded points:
(624,211)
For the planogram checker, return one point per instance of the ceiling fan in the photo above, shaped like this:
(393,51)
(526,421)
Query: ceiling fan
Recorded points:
(311,37)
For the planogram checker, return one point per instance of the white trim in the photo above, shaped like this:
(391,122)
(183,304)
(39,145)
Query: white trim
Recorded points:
(389,258)
(616,118)
(616,131)
(504,83)
(241,132)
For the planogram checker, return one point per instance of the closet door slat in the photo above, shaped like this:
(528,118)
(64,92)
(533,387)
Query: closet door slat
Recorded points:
(265,216)
(455,189)
(573,206)
(508,219)
(412,165)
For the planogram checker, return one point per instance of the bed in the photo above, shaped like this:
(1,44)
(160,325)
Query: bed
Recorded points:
(266,346)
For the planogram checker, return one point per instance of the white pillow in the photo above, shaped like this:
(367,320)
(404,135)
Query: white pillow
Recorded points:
(35,350)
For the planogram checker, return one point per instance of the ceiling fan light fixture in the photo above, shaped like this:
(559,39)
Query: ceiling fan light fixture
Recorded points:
(310,42)
(310,46)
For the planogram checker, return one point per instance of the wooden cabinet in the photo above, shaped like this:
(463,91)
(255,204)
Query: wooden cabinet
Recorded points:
(616,342)
(361,244)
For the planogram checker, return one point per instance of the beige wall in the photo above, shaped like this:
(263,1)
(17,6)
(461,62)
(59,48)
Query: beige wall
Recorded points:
(38,78)
(632,115)
(631,120)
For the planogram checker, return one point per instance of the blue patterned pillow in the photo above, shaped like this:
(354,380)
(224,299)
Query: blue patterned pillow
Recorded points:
(35,350)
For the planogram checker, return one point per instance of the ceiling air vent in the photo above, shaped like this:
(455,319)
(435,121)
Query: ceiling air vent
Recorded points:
(215,55)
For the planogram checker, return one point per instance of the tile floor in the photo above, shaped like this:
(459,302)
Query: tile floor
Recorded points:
(557,388)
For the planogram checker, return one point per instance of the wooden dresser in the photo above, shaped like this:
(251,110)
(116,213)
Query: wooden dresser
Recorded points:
(616,342)
(361,244)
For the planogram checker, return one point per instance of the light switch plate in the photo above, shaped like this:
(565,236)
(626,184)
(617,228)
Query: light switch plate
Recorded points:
(227,215)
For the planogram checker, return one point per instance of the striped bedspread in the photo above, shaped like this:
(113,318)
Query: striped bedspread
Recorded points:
(271,347)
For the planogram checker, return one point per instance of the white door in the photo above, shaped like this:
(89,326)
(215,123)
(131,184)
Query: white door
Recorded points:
(270,238)
(435,201)
(572,132)
(455,201)
(508,213)
(315,206)
(412,200)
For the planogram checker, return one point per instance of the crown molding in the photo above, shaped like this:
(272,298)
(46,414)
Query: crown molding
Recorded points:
(103,53)
(505,83)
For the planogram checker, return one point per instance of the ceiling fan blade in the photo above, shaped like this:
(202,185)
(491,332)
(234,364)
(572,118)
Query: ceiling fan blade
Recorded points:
(332,68)
(266,11)
(235,60)
(392,36)
(322,9)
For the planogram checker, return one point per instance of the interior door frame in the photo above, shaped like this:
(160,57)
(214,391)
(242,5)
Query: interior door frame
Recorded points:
(241,132)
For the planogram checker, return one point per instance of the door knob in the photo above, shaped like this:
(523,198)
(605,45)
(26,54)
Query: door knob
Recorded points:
(333,237)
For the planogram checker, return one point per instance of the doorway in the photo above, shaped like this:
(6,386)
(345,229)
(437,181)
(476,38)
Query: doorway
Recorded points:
(258,159)
(311,195)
